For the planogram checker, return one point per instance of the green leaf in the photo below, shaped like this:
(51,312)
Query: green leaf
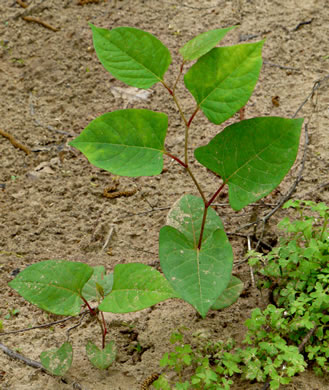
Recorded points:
(136,286)
(198,276)
(125,142)
(223,80)
(230,294)
(186,216)
(252,156)
(133,56)
(203,43)
(53,285)
(101,358)
(58,361)
(90,290)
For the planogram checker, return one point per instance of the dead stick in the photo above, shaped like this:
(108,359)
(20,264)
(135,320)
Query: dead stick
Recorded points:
(39,21)
(22,4)
(43,325)
(18,356)
(14,142)
(108,238)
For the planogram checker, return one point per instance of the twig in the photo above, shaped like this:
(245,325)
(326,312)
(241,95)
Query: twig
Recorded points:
(316,85)
(299,25)
(38,8)
(251,270)
(51,128)
(22,3)
(18,356)
(39,21)
(108,238)
(43,325)
(76,325)
(279,66)
(306,339)
(14,142)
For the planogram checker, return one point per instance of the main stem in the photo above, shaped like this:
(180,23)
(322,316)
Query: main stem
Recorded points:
(206,206)
(187,123)
(185,164)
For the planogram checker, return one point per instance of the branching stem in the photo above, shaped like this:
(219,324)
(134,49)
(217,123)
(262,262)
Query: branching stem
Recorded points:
(178,77)
(176,159)
(92,311)
(206,206)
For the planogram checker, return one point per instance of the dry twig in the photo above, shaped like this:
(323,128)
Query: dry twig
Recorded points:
(14,142)
(108,238)
(39,21)
(44,325)
(22,3)
(18,356)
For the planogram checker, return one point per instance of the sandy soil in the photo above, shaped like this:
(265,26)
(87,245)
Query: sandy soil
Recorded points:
(52,203)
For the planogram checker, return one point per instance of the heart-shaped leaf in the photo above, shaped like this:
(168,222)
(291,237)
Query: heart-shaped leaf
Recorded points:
(125,142)
(136,286)
(203,43)
(91,290)
(133,56)
(58,361)
(252,156)
(101,358)
(222,80)
(230,294)
(53,285)
(198,276)
(186,216)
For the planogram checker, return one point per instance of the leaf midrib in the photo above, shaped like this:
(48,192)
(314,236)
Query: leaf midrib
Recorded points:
(216,87)
(251,159)
(139,63)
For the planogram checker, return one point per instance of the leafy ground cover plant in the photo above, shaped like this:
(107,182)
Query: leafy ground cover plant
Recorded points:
(298,274)
(251,157)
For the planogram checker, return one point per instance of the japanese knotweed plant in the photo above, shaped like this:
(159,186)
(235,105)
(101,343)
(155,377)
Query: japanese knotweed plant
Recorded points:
(251,157)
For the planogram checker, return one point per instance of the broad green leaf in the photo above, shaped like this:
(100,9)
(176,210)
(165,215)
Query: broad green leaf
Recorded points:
(90,291)
(230,294)
(53,285)
(252,156)
(101,358)
(186,216)
(58,361)
(133,56)
(203,43)
(223,80)
(198,276)
(136,286)
(125,142)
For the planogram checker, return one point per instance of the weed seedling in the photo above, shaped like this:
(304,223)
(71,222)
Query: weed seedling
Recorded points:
(251,157)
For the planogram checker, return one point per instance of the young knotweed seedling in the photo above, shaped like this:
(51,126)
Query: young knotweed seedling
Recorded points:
(61,287)
(251,157)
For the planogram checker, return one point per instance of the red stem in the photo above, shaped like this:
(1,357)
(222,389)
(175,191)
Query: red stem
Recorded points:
(215,195)
(176,159)
(92,312)
(104,330)
(206,206)
(192,116)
